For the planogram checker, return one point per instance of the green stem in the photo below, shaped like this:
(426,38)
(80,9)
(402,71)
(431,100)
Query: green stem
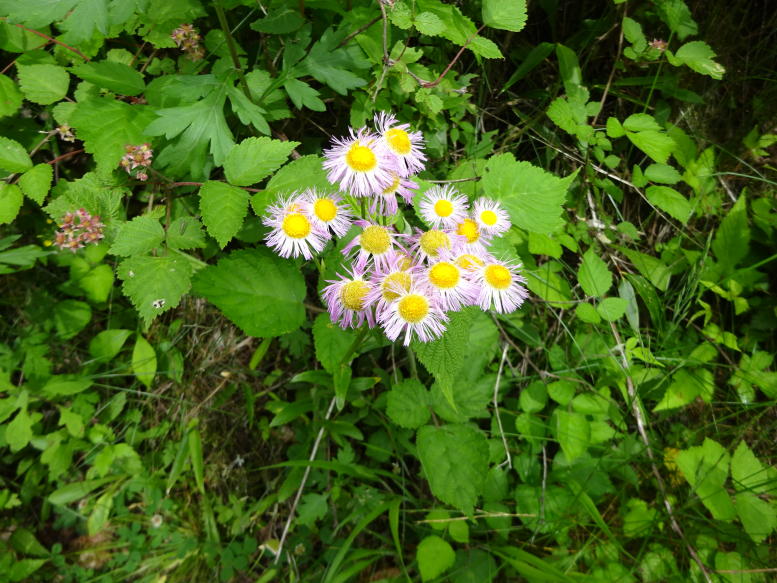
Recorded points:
(232,47)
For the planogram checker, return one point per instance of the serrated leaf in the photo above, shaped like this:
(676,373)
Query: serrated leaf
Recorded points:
(505,14)
(43,84)
(297,175)
(303,95)
(36,182)
(698,56)
(256,158)
(678,17)
(13,157)
(407,404)
(657,145)
(106,126)
(333,65)
(111,75)
(87,17)
(573,433)
(19,431)
(670,201)
(455,461)
(685,387)
(663,173)
(11,200)
(138,236)
(732,239)
(650,267)
(428,23)
(757,516)
(155,285)
(434,556)
(706,469)
(260,292)
(747,471)
(185,233)
(612,308)
(459,29)
(593,275)
(587,313)
(144,361)
(532,196)
(223,209)
(282,20)
(641,122)
(70,317)
(10,97)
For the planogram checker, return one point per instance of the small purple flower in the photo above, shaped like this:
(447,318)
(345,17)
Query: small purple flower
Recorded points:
(443,207)
(500,286)
(346,300)
(326,211)
(415,312)
(406,145)
(491,217)
(293,234)
(362,164)
(375,242)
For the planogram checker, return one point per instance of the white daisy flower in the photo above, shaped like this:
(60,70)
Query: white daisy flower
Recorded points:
(385,203)
(500,286)
(443,207)
(346,300)
(292,232)
(398,272)
(361,164)
(405,145)
(327,211)
(491,216)
(470,238)
(415,312)
(375,242)
(427,245)
(452,282)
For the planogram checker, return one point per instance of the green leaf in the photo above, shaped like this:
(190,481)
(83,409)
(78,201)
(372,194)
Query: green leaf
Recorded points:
(256,158)
(641,122)
(428,23)
(11,200)
(23,568)
(639,519)
(100,513)
(459,29)
(505,14)
(223,209)
(758,516)
(260,292)
(655,144)
(435,556)
(299,174)
(407,404)
(107,344)
(732,239)
(612,308)
(333,65)
(331,342)
(534,397)
(19,431)
(281,20)
(468,397)
(138,236)
(593,275)
(13,156)
(699,56)
(155,285)
(663,173)
(144,361)
(88,17)
(25,542)
(61,386)
(43,84)
(36,182)
(10,97)
(70,317)
(111,75)
(303,95)
(748,473)
(532,196)
(573,433)
(106,126)
(615,128)
(76,491)
(678,17)
(685,387)
(455,461)
(97,283)
(670,201)
(650,267)
(706,468)
(587,313)
(185,233)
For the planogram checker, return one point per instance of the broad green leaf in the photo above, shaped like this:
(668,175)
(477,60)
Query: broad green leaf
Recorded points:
(88,17)
(735,567)
(10,97)
(757,516)
(91,193)
(111,75)
(36,182)
(687,384)
(61,386)
(540,244)
(70,317)
(549,285)
(587,313)
(593,275)
(532,196)
(97,284)
(223,209)
(256,158)
(561,391)
(732,239)
(43,84)
(468,397)
(641,122)
(260,292)
(534,397)
(428,23)
(459,29)
(663,173)
(23,568)
(612,308)
(100,513)
(195,455)
(282,20)
(455,461)
(656,144)
(108,343)
(639,519)
(106,126)
(748,473)
(331,342)
(11,200)
(333,65)
(76,491)
(144,361)
(25,542)
(677,16)
(632,31)
(569,68)
(505,14)
(185,233)
(650,267)
(13,157)
(407,404)
(19,431)
(706,469)
(699,56)
(154,285)
(297,175)
(573,433)
(434,556)
(670,201)
(138,236)
(303,95)
(615,128)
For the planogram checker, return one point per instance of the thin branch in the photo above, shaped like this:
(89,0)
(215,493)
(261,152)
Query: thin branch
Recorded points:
(52,40)
(357,32)
(232,47)
(509,460)
(429,84)
(65,155)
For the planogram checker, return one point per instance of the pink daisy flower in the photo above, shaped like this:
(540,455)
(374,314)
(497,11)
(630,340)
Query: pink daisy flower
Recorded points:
(427,245)
(398,272)
(451,282)
(361,164)
(471,239)
(499,286)
(443,207)
(326,211)
(490,216)
(375,241)
(385,203)
(414,313)
(292,232)
(405,145)
(346,300)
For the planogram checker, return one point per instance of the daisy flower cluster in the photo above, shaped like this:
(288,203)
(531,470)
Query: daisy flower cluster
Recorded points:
(404,282)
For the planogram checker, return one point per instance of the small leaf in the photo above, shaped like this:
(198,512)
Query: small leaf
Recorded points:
(747,471)
(663,173)
(138,236)
(256,158)
(435,556)
(428,23)
(19,431)
(699,56)
(10,97)
(185,233)
(331,342)
(11,200)
(655,144)
(303,95)
(670,201)
(100,513)
(407,404)
(70,317)
(587,313)
(573,433)
(757,516)
(36,182)
(223,208)
(144,361)
(43,84)
(612,308)
(593,275)
(13,157)
(706,469)
(117,77)
(108,343)
(505,14)
(155,285)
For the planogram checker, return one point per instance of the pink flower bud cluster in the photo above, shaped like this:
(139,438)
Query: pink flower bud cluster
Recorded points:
(78,229)
(137,159)
(188,40)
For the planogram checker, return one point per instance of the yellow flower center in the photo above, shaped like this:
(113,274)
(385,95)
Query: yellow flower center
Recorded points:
(443,208)
(469,229)
(498,276)
(469,261)
(399,141)
(360,158)
(352,294)
(296,226)
(432,241)
(413,308)
(405,263)
(394,281)
(444,275)
(393,187)
(325,209)
(488,217)
(375,239)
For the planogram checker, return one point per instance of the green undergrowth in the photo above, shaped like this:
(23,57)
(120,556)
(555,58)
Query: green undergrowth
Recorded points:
(175,402)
